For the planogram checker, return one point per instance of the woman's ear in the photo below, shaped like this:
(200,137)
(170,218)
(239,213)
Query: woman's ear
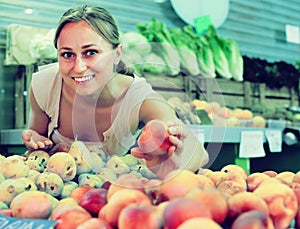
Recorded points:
(119,51)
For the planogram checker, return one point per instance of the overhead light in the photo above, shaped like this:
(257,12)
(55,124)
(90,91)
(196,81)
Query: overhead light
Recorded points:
(159,1)
(28,11)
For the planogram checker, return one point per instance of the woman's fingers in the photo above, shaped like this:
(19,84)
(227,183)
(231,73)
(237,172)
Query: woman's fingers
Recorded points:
(34,141)
(178,130)
(139,154)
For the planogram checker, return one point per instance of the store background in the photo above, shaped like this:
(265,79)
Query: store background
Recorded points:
(258,26)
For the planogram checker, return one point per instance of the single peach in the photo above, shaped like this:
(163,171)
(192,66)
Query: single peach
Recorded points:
(236,177)
(118,201)
(231,187)
(214,200)
(31,205)
(246,201)
(296,178)
(94,223)
(287,176)
(224,112)
(154,138)
(255,179)
(125,181)
(270,173)
(78,192)
(232,168)
(181,209)
(253,220)
(177,183)
(199,223)
(140,216)
(259,121)
(281,200)
(199,104)
(94,200)
(71,219)
(204,180)
(215,176)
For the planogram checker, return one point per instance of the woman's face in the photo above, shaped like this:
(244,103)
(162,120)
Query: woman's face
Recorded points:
(86,60)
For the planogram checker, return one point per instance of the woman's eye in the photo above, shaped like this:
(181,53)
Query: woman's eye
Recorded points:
(91,53)
(67,55)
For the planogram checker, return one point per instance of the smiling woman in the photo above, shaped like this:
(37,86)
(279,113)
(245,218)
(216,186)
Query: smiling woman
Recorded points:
(87,99)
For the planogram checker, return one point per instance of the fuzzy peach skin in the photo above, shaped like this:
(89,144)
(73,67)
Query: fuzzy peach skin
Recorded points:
(253,220)
(118,201)
(181,209)
(140,216)
(281,200)
(246,201)
(214,200)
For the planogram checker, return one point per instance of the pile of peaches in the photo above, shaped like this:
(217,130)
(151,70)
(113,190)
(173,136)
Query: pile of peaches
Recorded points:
(226,198)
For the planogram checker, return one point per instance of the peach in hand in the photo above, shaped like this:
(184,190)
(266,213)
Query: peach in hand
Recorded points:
(154,138)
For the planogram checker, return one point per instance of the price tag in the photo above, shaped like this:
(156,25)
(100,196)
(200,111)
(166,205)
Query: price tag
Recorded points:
(251,144)
(11,223)
(202,23)
(274,138)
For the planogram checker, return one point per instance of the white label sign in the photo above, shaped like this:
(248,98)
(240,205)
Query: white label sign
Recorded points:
(251,144)
(274,138)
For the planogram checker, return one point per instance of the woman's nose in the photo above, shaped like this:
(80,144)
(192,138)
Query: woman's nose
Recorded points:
(80,64)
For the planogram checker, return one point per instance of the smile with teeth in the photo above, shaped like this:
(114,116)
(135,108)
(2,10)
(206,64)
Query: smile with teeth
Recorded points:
(83,79)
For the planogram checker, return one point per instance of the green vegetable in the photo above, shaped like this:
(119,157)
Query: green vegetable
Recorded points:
(220,59)
(203,52)
(154,64)
(205,119)
(136,42)
(234,57)
(188,58)
(162,44)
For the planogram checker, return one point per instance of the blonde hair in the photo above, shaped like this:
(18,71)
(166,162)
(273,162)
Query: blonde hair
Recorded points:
(97,17)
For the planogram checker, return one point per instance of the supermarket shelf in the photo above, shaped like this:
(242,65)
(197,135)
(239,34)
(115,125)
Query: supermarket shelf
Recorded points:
(216,134)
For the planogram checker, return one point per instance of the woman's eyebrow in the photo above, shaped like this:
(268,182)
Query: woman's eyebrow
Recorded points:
(88,46)
(64,48)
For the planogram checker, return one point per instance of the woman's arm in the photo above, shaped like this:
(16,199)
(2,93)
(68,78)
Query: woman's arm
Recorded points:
(35,137)
(187,152)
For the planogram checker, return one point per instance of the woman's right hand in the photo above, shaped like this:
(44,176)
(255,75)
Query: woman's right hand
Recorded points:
(33,140)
